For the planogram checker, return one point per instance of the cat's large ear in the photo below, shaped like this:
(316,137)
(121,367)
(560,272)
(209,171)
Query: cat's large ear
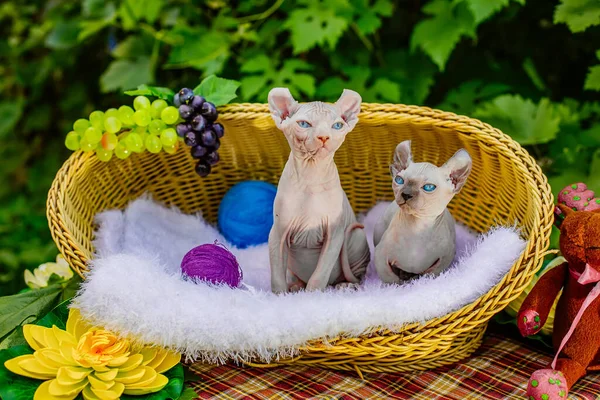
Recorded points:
(402,157)
(349,106)
(459,168)
(281,104)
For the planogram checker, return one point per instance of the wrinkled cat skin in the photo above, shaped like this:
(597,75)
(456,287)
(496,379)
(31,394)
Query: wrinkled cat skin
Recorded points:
(315,240)
(416,234)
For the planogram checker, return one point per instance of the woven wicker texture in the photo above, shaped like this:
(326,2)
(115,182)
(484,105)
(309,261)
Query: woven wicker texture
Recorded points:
(505,187)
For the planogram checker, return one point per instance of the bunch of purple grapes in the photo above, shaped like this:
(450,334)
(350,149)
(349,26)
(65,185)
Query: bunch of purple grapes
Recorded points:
(199,129)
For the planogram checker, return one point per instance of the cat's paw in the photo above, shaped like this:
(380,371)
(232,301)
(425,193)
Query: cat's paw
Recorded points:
(347,286)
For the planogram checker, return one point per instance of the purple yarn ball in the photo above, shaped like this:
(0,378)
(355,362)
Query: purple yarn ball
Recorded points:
(212,263)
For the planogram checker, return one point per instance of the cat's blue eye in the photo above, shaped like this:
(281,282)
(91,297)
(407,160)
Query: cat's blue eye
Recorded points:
(429,187)
(337,126)
(399,180)
(304,124)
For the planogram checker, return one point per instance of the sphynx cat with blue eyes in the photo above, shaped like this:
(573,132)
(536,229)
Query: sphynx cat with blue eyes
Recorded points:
(416,235)
(315,240)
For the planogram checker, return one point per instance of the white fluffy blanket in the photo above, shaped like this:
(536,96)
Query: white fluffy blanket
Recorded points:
(135,288)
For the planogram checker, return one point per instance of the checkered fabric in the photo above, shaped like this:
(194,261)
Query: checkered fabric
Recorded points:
(499,369)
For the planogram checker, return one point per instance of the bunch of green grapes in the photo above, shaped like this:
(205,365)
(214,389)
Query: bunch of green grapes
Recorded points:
(146,126)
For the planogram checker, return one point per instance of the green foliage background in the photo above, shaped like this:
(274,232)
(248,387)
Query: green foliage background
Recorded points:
(530,68)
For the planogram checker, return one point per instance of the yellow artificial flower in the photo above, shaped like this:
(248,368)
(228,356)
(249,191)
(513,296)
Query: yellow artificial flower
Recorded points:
(515,305)
(92,361)
(41,275)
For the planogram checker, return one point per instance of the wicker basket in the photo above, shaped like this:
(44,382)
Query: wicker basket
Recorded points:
(506,186)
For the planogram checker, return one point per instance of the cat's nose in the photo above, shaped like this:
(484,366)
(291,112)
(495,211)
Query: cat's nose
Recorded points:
(323,138)
(406,196)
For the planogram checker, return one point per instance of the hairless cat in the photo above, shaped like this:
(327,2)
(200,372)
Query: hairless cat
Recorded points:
(416,234)
(315,240)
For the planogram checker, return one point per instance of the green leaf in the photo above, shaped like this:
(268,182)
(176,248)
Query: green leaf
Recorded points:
(160,92)
(188,394)
(170,392)
(483,9)
(148,10)
(384,8)
(152,11)
(16,309)
(192,52)
(578,14)
(15,338)
(379,90)
(63,36)
(592,81)
(10,113)
(125,74)
(318,24)
(57,316)
(368,16)
(523,120)
(132,47)
(437,36)
(12,386)
(218,91)
(71,288)
(290,74)
(531,71)
(92,8)
(368,23)
(466,97)
(91,27)
(414,72)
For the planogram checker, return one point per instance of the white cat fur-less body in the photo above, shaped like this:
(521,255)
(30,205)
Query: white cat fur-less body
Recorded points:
(417,234)
(315,240)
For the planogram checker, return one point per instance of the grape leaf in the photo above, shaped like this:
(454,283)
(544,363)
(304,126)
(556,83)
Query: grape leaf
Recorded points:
(10,112)
(125,74)
(92,8)
(147,9)
(13,386)
(414,72)
(317,24)
(264,74)
(379,90)
(437,36)
(383,7)
(63,36)
(133,46)
(90,27)
(466,97)
(191,52)
(217,90)
(144,90)
(483,9)
(368,16)
(592,80)
(578,14)
(523,120)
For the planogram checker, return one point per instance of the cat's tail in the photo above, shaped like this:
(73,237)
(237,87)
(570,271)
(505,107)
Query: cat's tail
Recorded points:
(346,269)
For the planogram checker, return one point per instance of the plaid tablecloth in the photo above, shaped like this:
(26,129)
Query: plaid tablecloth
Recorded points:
(499,369)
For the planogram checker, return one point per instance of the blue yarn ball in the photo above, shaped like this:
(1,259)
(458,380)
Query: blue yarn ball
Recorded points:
(246,213)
